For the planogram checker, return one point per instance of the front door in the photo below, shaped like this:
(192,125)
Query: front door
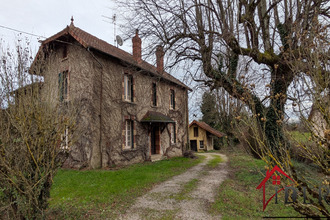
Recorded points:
(193,145)
(155,140)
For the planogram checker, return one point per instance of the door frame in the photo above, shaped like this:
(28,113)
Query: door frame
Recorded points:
(192,145)
(154,132)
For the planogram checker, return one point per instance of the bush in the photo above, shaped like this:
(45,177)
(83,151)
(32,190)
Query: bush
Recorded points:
(189,154)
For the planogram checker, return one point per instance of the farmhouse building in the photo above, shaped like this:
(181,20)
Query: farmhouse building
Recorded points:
(202,135)
(129,111)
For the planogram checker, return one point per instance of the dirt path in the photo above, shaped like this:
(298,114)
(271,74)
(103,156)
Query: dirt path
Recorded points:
(186,196)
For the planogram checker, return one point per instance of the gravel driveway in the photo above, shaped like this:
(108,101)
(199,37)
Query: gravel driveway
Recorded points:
(186,196)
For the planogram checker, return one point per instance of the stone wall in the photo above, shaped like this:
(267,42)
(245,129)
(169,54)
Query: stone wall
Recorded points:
(95,89)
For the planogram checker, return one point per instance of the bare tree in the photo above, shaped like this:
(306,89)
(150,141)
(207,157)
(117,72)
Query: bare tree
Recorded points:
(272,42)
(32,142)
(266,34)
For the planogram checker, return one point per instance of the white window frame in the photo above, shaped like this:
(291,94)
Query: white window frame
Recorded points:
(128,84)
(65,140)
(201,146)
(173,133)
(172,99)
(129,133)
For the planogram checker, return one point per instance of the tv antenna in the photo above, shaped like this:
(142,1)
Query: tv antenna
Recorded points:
(114,20)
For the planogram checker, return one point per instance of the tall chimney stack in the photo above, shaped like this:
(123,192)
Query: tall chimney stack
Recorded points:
(137,46)
(160,59)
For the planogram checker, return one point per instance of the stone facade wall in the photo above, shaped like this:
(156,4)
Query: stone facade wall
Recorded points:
(96,90)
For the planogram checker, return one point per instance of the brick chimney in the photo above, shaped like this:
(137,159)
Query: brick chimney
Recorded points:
(137,46)
(160,59)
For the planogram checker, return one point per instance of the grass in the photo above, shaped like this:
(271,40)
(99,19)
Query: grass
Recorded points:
(187,188)
(215,161)
(301,137)
(104,193)
(238,197)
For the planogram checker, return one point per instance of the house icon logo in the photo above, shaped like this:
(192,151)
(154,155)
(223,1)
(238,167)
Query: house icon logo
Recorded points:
(275,178)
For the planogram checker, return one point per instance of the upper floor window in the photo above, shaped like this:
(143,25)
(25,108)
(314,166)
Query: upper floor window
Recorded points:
(129,134)
(154,94)
(172,99)
(63,84)
(128,88)
(195,131)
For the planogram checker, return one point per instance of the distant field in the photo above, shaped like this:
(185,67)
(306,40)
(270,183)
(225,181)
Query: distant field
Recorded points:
(105,193)
(300,136)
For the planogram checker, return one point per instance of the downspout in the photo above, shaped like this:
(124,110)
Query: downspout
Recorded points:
(101,102)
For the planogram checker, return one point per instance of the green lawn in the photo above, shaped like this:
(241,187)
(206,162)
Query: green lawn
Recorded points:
(301,137)
(238,197)
(104,193)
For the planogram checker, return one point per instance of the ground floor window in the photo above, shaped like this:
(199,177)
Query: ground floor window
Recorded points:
(201,144)
(173,133)
(129,134)
(65,140)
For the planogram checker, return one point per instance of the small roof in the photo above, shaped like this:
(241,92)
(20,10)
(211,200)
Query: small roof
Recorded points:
(35,85)
(89,41)
(153,117)
(207,127)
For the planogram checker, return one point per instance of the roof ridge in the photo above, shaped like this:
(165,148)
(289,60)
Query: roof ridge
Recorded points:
(207,127)
(90,41)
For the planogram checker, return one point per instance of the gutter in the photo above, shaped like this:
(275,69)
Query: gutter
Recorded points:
(100,107)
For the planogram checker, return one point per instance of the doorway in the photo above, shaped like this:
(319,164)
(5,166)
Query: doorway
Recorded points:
(193,145)
(155,140)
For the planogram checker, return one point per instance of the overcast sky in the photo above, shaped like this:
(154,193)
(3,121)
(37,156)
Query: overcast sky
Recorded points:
(47,17)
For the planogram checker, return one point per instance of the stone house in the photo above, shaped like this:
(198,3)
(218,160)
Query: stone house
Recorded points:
(129,111)
(201,136)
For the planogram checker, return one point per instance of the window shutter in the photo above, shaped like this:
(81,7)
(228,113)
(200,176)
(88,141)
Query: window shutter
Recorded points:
(174,132)
(125,87)
(173,99)
(132,90)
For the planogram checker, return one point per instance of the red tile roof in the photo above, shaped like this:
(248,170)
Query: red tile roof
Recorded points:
(207,127)
(89,41)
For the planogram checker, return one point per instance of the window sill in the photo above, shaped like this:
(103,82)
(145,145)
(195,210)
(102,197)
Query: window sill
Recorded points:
(129,149)
(128,102)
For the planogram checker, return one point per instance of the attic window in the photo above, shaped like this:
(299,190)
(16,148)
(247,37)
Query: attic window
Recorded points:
(65,51)
(195,131)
